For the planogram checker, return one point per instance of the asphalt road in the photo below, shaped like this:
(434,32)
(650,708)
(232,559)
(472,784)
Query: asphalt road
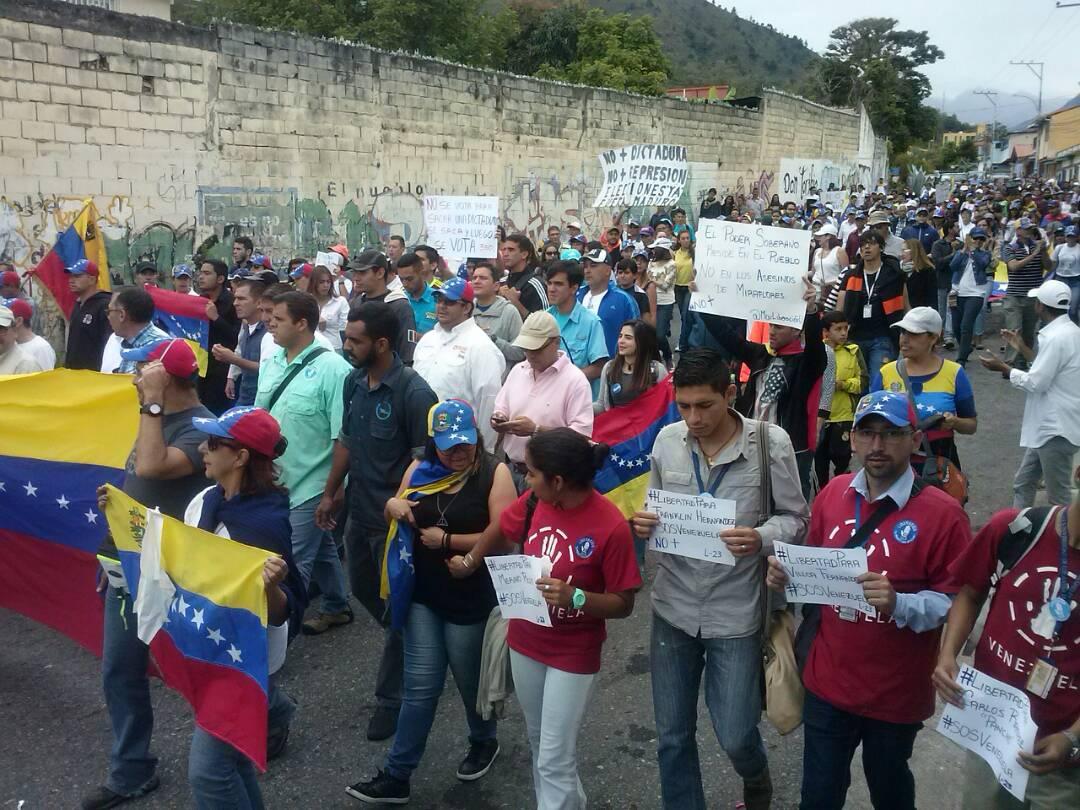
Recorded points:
(56,734)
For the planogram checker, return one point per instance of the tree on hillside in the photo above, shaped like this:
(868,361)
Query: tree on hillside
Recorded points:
(869,61)
(547,33)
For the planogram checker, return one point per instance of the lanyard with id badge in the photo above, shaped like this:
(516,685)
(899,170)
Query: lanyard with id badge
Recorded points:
(702,489)
(868,307)
(845,612)
(1058,610)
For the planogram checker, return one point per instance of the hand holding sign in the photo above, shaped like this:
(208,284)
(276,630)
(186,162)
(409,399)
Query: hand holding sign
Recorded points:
(514,577)
(692,525)
(824,576)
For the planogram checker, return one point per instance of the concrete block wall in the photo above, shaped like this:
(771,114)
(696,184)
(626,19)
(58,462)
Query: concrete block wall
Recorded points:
(181,135)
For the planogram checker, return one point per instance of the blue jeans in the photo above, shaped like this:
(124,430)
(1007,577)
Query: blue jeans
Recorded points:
(220,776)
(965,313)
(316,557)
(830,738)
(431,643)
(663,329)
(127,695)
(732,669)
(945,311)
(686,317)
(876,352)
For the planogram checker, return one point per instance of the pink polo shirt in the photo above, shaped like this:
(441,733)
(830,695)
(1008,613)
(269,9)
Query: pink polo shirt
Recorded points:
(558,397)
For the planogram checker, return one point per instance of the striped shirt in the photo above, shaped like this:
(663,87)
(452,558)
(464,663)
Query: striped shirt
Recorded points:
(1026,277)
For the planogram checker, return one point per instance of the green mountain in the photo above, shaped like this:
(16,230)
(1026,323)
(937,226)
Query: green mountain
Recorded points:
(710,45)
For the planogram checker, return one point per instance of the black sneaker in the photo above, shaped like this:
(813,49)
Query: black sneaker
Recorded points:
(478,761)
(383,724)
(103,798)
(276,739)
(381,789)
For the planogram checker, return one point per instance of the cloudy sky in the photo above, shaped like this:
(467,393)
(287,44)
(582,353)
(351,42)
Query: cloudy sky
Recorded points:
(979,38)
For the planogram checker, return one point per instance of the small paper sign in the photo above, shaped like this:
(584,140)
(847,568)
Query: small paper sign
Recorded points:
(514,577)
(690,525)
(824,576)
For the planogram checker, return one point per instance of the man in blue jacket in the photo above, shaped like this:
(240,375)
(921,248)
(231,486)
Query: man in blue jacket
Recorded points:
(922,230)
(604,298)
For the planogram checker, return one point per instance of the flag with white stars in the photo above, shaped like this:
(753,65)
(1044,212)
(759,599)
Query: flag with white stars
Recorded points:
(200,603)
(184,316)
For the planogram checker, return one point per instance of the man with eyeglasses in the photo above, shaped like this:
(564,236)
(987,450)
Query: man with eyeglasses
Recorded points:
(457,358)
(867,678)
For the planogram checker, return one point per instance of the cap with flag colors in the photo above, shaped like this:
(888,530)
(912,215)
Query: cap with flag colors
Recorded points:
(80,241)
(252,427)
(175,355)
(50,526)
(450,423)
(184,316)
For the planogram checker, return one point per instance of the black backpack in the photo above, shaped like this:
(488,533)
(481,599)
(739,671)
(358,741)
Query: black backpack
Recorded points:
(1025,529)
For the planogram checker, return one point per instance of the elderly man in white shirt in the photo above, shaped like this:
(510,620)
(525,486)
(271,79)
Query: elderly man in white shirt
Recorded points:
(1050,431)
(458,359)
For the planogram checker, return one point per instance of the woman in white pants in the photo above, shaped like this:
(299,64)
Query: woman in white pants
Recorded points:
(593,576)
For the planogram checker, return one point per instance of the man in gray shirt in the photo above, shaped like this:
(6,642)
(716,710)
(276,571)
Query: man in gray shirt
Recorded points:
(706,615)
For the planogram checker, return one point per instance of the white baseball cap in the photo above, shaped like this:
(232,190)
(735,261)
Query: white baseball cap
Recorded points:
(1052,293)
(828,229)
(920,321)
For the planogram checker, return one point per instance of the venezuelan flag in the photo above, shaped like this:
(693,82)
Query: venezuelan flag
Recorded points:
(209,640)
(630,431)
(80,241)
(398,571)
(184,316)
(62,434)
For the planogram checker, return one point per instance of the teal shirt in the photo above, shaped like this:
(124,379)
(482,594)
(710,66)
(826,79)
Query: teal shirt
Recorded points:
(583,338)
(423,310)
(310,412)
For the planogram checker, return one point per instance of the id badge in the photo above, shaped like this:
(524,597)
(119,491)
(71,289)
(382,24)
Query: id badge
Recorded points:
(868,311)
(1042,678)
(847,614)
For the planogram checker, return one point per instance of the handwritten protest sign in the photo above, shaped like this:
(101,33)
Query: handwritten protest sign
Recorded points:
(462,227)
(690,525)
(824,576)
(642,174)
(751,271)
(995,723)
(514,577)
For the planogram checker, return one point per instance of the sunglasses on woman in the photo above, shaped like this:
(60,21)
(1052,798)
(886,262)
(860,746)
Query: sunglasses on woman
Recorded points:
(215,442)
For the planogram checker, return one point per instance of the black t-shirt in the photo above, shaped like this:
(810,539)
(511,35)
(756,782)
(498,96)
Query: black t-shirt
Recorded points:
(877,325)
(458,601)
(88,332)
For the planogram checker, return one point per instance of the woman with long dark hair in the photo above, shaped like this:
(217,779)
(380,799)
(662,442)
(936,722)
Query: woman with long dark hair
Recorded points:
(464,491)
(593,577)
(920,278)
(728,206)
(635,368)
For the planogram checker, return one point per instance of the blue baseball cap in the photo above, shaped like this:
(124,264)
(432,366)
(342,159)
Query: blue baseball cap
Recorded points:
(1025,223)
(252,427)
(891,406)
(182,271)
(978,233)
(1071,230)
(456,289)
(452,422)
(83,267)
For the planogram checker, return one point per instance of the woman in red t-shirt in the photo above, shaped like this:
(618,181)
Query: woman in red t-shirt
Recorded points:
(593,577)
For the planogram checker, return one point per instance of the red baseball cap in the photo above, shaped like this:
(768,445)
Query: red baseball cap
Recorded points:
(252,427)
(20,308)
(175,354)
(340,250)
(9,278)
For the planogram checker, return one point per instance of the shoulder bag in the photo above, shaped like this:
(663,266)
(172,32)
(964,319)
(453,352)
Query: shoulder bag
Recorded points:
(274,397)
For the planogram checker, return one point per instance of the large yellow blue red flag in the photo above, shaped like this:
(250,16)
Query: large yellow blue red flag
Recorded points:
(201,605)
(62,434)
(81,240)
(630,431)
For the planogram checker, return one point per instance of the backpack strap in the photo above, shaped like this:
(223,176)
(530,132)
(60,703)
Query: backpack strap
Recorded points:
(1025,529)
(292,375)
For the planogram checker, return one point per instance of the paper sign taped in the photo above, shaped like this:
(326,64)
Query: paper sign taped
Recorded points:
(690,525)
(642,174)
(824,576)
(754,272)
(462,227)
(995,723)
(514,577)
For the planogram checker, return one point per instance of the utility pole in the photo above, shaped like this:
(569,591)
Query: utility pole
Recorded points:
(991,96)
(1039,75)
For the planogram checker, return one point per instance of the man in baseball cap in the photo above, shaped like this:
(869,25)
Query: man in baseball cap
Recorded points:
(13,359)
(1066,263)
(1025,257)
(146,274)
(88,326)
(174,354)
(34,345)
(1050,428)
(183,279)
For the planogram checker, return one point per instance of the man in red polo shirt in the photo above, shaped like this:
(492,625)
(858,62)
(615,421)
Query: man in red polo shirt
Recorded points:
(1031,641)
(868,678)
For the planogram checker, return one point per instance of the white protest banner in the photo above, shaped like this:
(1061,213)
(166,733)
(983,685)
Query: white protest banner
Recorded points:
(800,177)
(642,174)
(824,576)
(462,227)
(995,723)
(514,577)
(751,271)
(690,525)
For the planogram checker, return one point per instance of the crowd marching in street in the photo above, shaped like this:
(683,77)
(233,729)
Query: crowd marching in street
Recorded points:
(352,393)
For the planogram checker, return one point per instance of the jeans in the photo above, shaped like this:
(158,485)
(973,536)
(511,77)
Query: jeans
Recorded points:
(431,643)
(663,329)
(945,311)
(877,352)
(1020,317)
(364,552)
(1074,302)
(553,702)
(830,738)
(980,319)
(1054,463)
(965,312)
(127,695)
(1047,791)
(832,449)
(317,558)
(732,669)
(686,317)
(220,776)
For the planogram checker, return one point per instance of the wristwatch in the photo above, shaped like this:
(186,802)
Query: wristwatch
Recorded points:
(578,600)
(1074,752)
(151,409)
